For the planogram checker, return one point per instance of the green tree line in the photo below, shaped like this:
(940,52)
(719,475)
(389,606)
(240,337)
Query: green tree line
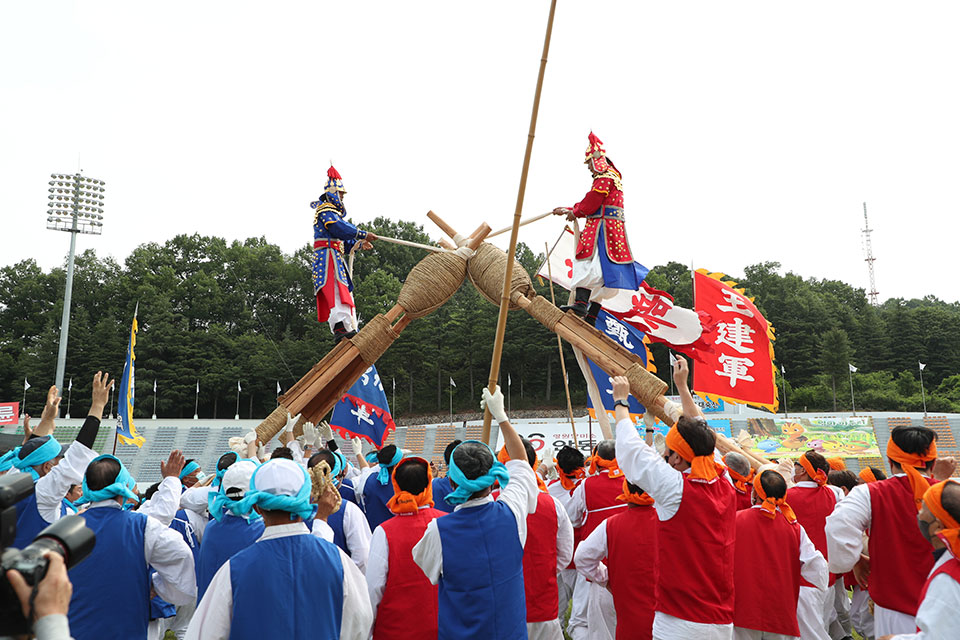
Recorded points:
(217,313)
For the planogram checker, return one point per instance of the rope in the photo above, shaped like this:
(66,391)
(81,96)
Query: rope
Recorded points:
(416,245)
(487,269)
(432,282)
(644,386)
(374,339)
(322,482)
(272,424)
(540,216)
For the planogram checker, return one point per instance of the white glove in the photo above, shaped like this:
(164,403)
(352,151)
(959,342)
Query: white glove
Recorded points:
(291,422)
(465,252)
(357,446)
(262,452)
(309,434)
(238,446)
(649,420)
(326,433)
(250,437)
(494,402)
(547,465)
(659,443)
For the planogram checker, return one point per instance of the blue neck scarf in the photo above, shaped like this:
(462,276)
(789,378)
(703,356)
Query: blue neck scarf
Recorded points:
(383,477)
(44,453)
(298,505)
(467,487)
(190,468)
(122,487)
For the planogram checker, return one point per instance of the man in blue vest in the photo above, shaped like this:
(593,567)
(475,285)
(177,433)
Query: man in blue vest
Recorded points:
(481,590)
(373,486)
(112,587)
(53,470)
(442,486)
(289,584)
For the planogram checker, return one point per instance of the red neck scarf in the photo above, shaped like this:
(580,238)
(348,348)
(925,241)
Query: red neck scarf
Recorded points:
(406,502)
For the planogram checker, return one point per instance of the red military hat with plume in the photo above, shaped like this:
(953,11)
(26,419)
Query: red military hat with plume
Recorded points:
(596,155)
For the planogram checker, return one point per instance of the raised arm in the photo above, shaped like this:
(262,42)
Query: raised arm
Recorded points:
(681,371)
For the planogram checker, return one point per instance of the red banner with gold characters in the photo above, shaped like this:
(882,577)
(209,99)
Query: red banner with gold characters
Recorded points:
(740,368)
(9,412)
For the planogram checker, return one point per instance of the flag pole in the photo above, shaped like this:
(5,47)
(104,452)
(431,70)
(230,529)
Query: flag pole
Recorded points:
(450,391)
(563,364)
(23,403)
(154,400)
(237,415)
(196,402)
(922,392)
(783,376)
(853,404)
(69,398)
(511,252)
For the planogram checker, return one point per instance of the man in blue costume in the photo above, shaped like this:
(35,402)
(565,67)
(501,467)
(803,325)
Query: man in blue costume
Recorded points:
(374,488)
(481,594)
(288,584)
(333,238)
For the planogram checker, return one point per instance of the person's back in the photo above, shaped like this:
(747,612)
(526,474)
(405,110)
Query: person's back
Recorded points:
(812,499)
(632,567)
(376,489)
(442,486)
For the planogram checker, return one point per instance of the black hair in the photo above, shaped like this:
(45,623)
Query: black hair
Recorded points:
(695,432)
(846,479)
(914,440)
(818,462)
(950,499)
(473,459)
(152,489)
(570,459)
(226,460)
(773,484)
(324,455)
(282,452)
(531,454)
(632,488)
(448,450)
(411,476)
(878,473)
(102,473)
(607,449)
(385,455)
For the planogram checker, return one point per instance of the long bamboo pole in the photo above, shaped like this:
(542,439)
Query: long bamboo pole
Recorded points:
(525,222)
(508,274)
(563,364)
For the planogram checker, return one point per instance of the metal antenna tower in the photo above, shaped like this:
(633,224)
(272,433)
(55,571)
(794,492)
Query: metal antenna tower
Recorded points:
(873,293)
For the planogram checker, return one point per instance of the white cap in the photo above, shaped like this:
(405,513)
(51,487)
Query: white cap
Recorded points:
(280,476)
(238,476)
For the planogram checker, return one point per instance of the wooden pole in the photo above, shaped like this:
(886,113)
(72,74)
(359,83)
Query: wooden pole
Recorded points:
(563,364)
(508,275)
(525,222)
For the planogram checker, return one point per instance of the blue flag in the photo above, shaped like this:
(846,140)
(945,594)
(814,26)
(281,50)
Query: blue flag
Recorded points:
(126,431)
(630,339)
(363,411)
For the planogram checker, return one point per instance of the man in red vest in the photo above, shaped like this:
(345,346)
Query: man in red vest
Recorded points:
(812,500)
(571,472)
(548,550)
(939,521)
(773,556)
(594,500)
(404,602)
(621,554)
(899,556)
(696,509)
(742,475)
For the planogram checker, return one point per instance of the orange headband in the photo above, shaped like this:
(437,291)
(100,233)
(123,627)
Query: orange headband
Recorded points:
(742,483)
(866,474)
(909,462)
(702,467)
(639,499)
(817,475)
(609,465)
(503,457)
(770,505)
(569,481)
(406,502)
(837,464)
(950,534)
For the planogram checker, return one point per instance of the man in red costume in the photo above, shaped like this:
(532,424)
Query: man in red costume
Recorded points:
(603,257)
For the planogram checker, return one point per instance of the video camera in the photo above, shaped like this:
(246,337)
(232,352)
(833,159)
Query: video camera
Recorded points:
(69,536)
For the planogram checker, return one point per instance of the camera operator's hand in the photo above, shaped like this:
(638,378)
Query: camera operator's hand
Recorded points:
(53,592)
(101,394)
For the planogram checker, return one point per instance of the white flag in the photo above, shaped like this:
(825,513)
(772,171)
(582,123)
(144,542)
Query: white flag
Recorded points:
(154,386)
(238,386)
(198,386)
(853,369)
(673,358)
(278,387)
(70,385)
(394,384)
(452,383)
(26,385)
(509,382)
(782,370)
(922,366)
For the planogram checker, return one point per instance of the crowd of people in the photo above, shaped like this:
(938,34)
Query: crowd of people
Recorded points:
(644,538)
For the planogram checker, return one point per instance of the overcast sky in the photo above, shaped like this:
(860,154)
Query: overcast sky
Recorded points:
(745,131)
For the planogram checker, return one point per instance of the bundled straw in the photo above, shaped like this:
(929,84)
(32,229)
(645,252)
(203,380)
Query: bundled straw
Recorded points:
(321,482)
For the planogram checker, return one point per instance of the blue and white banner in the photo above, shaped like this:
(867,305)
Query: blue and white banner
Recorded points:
(363,411)
(630,339)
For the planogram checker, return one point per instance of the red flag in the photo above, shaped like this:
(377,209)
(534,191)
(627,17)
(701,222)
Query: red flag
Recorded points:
(740,368)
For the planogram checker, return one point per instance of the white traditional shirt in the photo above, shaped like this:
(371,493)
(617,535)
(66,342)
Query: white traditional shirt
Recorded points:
(520,495)
(214,614)
(937,615)
(163,505)
(356,530)
(52,488)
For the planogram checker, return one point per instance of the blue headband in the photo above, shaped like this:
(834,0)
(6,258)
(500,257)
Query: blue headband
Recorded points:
(298,505)
(467,487)
(383,477)
(121,487)
(44,453)
(190,468)
(338,467)
(218,501)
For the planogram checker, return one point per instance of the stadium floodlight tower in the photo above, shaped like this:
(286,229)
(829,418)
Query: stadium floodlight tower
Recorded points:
(75,206)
